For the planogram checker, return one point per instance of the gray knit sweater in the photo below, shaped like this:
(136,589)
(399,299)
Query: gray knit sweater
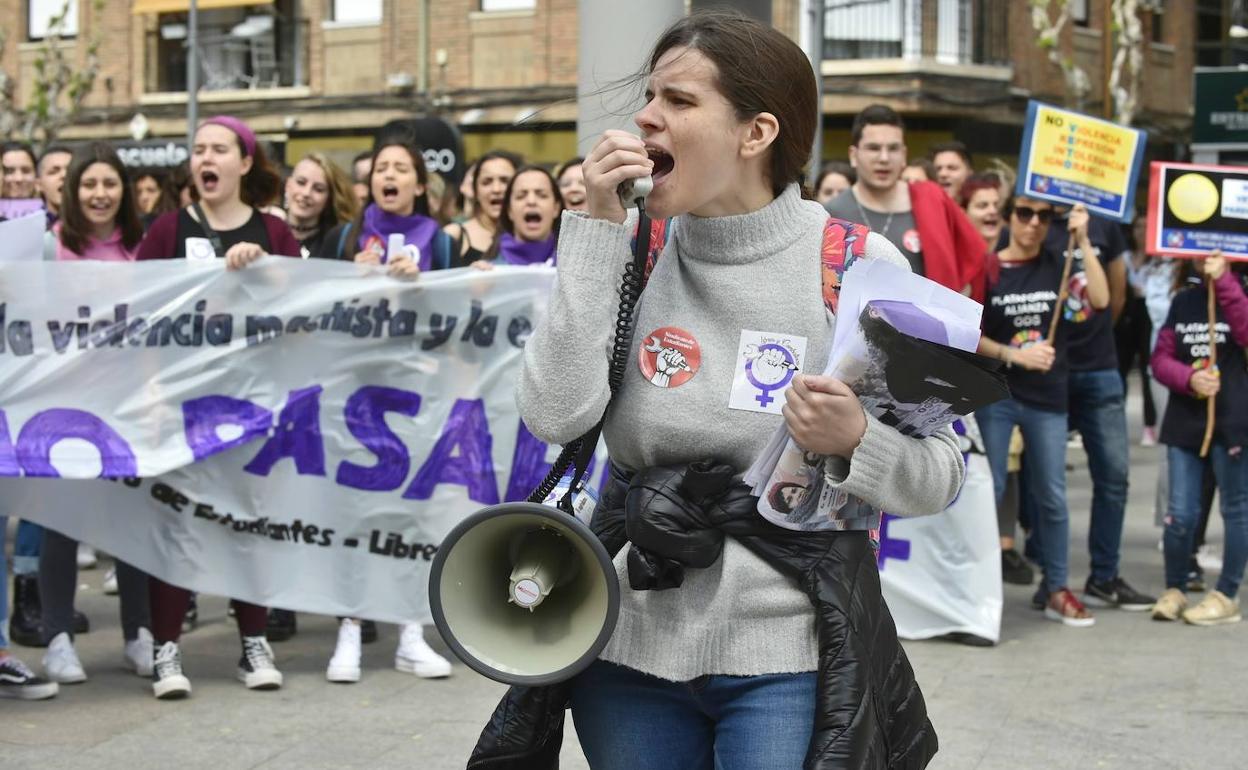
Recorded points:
(716,277)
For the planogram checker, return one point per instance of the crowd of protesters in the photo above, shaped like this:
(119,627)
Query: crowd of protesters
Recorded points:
(956,226)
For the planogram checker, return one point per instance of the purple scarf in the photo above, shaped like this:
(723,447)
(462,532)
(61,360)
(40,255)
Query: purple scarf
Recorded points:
(417,230)
(513,251)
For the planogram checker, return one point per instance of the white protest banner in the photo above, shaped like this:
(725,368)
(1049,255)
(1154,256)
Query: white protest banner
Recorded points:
(942,574)
(306,432)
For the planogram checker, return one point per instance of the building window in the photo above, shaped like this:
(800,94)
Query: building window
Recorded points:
(508,5)
(40,13)
(854,29)
(1079,12)
(356,11)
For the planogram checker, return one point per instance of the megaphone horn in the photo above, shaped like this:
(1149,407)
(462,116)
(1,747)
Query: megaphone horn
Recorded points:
(524,594)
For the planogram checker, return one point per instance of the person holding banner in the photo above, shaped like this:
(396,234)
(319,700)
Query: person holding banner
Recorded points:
(726,668)
(1181,361)
(233,179)
(99,221)
(1022,327)
(529,225)
(394,227)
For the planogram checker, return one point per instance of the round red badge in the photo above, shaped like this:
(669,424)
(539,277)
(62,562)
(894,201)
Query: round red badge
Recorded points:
(911,241)
(669,357)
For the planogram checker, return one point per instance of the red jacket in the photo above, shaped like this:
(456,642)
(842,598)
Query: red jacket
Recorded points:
(954,254)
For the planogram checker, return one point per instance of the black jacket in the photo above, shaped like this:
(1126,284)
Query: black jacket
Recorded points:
(869,712)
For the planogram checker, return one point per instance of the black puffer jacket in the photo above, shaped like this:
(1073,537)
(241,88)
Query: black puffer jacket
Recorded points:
(869,712)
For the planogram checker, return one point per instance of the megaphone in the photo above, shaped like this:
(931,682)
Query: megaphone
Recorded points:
(524,594)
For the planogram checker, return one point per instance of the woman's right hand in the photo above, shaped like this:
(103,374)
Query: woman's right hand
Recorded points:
(1205,383)
(1037,357)
(617,158)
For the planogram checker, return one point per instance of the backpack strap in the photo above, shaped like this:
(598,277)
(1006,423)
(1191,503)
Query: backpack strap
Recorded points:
(843,244)
(342,239)
(441,258)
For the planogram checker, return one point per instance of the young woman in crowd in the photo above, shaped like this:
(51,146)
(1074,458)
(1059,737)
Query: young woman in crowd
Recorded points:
(153,194)
(835,177)
(1181,362)
(1018,310)
(318,198)
(17,161)
(232,178)
(709,668)
(99,221)
(396,203)
(919,170)
(492,172)
(571,179)
(980,198)
(529,226)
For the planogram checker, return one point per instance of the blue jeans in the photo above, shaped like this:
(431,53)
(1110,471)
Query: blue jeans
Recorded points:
(26,547)
(1098,412)
(627,719)
(1183,513)
(1044,434)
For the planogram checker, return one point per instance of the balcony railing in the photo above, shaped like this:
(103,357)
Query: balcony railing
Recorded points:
(250,53)
(947,31)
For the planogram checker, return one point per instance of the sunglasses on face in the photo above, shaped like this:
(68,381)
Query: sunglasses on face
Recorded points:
(1026,213)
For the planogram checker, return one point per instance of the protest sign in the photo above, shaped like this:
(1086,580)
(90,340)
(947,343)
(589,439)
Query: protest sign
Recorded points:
(942,574)
(22,238)
(306,432)
(1194,209)
(1070,158)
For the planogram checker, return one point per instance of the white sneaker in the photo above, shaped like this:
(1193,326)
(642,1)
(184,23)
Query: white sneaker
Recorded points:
(86,557)
(61,661)
(256,667)
(138,653)
(168,681)
(344,666)
(1208,560)
(415,656)
(110,582)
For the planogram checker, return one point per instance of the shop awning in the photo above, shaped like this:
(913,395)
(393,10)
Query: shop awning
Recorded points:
(182,6)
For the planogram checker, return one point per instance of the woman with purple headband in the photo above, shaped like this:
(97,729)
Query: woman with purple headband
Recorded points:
(234,181)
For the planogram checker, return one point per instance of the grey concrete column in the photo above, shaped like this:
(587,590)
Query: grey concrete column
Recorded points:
(756,9)
(615,39)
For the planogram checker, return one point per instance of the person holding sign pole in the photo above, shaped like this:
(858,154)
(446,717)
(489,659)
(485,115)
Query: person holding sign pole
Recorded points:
(1206,415)
(234,180)
(1022,327)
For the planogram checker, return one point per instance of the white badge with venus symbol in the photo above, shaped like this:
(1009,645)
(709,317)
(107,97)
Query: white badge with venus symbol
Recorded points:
(766,365)
(199,250)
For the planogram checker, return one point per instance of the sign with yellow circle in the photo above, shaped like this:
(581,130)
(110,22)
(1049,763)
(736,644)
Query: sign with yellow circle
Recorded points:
(1194,209)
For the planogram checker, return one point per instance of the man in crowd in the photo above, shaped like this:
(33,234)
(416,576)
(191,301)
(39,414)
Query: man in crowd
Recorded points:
(51,176)
(918,217)
(953,166)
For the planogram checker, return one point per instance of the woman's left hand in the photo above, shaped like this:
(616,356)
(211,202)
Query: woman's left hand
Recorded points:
(1215,264)
(1077,224)
(241,255)
(824,416)
(403,267)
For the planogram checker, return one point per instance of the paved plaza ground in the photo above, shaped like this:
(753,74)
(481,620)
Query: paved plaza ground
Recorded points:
(1127,693)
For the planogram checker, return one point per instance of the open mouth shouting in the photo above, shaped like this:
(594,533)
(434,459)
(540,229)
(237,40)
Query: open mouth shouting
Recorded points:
(389,195)
(664,163)
(209,181)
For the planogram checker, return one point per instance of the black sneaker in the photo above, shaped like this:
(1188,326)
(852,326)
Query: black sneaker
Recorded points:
(191,619)
(1015,569)
(1116,593)
(368,632)
(970,640)
(256,667)
(281,625)
(18,681)
(168,681)
(1040,598)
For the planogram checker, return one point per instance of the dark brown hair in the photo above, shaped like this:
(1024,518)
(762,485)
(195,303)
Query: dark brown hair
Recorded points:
(74,227)
(953,146)
(421,204)
(168,200)
(836,167)
(760,70)
(874,115)
(505,225)
(515,160)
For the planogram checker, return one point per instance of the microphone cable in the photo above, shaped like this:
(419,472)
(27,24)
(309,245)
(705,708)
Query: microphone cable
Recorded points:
(578,452)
